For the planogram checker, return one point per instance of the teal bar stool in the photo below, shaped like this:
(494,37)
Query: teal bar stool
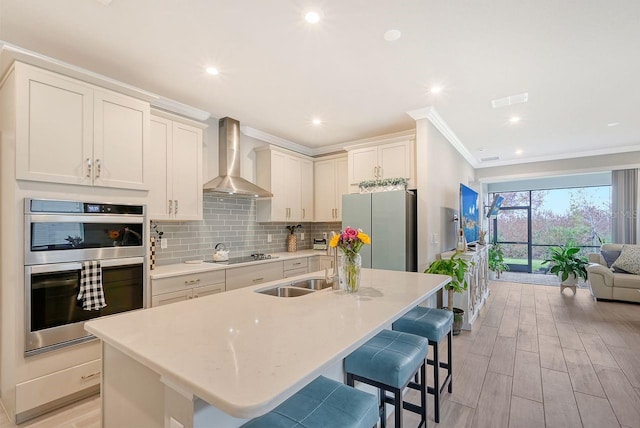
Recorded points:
(434,324)
(322,403)
(389,361)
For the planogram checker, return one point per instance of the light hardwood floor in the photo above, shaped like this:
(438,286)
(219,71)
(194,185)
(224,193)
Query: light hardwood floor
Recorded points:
(535,358)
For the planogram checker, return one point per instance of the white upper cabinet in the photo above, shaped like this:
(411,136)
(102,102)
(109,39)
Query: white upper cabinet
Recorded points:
(330,183)
(175,169)
(306,190)
(392,160)
(71,132)
(281,172)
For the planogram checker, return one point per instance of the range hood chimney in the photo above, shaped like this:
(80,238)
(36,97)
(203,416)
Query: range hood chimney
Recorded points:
(229,182)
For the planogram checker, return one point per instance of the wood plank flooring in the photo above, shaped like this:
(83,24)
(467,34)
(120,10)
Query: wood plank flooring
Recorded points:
(535,358)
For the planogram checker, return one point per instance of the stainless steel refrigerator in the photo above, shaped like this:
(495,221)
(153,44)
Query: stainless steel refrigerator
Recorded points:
(390,219)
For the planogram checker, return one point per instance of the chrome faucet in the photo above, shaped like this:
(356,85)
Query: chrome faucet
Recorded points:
(333,278)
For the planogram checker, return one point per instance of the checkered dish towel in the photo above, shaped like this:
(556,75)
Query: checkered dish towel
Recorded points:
(91,292)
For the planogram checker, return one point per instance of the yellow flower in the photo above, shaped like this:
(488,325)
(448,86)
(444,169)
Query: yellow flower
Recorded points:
(364,237)
(334,241)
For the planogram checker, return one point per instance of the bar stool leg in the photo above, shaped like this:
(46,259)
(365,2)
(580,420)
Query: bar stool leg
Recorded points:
(398,414)
(450,361)
(383,408)
(423,393)
(436,382)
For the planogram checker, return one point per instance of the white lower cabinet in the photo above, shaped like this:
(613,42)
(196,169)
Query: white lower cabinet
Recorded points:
(45,389)
(183,287)
(295,267)
(252,275)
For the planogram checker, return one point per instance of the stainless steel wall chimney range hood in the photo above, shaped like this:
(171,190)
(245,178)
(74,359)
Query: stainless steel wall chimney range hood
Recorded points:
(229,182)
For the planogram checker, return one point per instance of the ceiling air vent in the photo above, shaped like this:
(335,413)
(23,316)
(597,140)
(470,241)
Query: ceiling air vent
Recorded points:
(510,100)
(489,159)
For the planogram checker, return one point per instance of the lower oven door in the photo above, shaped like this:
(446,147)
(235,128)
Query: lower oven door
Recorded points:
(54,316)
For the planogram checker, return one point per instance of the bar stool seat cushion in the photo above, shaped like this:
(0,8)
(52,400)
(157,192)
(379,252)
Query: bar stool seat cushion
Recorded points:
(322,403)
(390,357)
(434,324)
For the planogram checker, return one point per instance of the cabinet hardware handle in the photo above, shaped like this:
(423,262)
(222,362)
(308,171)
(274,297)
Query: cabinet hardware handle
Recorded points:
(303,214)
(193,281)
(299,263)
(176,205)
(375,172)
(99,168)
(336,213)
(170,206)
(89,376)
(89,167)
(258,279)
(379,172)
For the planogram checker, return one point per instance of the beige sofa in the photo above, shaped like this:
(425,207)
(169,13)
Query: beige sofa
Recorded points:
(606,284)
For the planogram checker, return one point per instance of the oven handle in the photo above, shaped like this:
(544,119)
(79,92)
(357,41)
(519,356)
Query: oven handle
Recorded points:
(62,267)
(54,218)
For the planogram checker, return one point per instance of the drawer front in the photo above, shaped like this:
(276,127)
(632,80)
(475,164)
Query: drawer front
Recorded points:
(295,272)
(253,275)
(181,282)
(172,297)
(42,390)
(295,263)
(207,290)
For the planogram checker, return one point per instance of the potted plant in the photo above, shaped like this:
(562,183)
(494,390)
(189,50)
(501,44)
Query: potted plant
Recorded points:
(457,269)
(567,264)
(496,261)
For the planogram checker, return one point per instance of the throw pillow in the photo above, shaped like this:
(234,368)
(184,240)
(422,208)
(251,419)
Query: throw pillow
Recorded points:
(610,256)
(629,259)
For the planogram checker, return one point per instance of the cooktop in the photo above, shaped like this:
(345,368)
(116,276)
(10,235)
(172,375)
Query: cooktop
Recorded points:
(244,259)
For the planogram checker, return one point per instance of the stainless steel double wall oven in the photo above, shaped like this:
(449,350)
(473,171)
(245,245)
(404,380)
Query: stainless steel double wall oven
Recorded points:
(59,236)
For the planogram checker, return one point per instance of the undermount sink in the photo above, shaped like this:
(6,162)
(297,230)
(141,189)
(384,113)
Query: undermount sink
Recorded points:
(296,289)
(285,291)
(312,284)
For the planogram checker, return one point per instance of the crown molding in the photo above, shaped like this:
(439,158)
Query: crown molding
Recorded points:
(380,139)
(436,120)
(275,140)
(181,109)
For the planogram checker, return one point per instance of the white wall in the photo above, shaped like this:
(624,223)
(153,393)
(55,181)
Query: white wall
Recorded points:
(439,171)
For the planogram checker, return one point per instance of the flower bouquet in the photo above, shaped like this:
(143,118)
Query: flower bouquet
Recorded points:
(350,241)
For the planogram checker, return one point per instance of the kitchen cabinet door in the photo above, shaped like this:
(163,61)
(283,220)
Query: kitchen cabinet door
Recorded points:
(54,120)
(168,298)
(175,170)
(252,275)
(330,183)
(363,164)
(306,190)
(394,160)
(280,172)
(186,172)
(208,290)
(121,141)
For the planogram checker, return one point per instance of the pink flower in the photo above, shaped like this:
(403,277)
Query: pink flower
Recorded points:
(349,234)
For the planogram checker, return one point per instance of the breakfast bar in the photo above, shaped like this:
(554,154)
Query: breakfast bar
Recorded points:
(223,359)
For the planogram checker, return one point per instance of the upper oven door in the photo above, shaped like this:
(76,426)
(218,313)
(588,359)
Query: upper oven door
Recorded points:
(55,238)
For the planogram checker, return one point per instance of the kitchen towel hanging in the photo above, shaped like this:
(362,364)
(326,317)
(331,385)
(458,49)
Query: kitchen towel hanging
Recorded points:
(91,293)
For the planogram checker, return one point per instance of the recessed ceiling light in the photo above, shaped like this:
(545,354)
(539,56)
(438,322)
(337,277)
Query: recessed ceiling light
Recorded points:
(436,89)
(212,71)
(514,119)
(312,17)
(316,122)
(392,35)
(612,124)
(519,151)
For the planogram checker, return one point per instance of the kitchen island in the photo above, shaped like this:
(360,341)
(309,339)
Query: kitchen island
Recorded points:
(223,359)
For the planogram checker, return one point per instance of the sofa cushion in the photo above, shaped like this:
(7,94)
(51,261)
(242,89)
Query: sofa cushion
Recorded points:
(623,280)
(629,259)
(610,256)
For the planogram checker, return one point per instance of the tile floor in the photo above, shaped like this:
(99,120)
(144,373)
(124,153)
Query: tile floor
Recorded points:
(535,358)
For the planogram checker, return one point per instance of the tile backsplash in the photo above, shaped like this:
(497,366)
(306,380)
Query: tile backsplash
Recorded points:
(231,221)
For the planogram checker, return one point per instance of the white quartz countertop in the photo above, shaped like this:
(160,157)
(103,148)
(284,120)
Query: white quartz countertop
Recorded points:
(245,352)
(186,268)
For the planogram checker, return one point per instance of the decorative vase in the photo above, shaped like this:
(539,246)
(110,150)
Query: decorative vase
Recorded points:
(292,243)
(349,272)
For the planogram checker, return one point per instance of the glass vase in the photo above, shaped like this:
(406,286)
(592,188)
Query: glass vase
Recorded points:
(349,272)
